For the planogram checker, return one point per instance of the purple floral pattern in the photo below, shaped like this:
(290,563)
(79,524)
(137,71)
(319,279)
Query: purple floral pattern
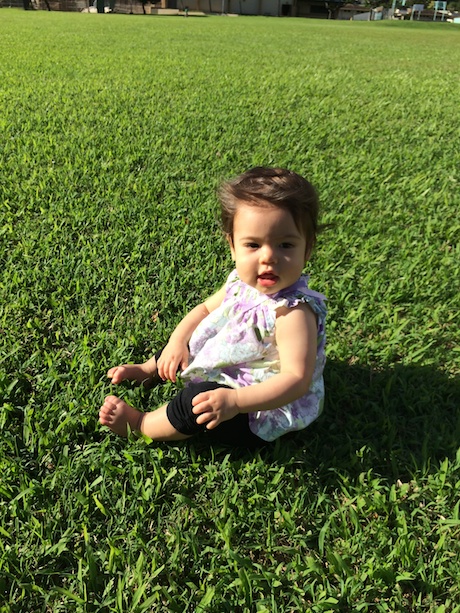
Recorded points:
(235,346)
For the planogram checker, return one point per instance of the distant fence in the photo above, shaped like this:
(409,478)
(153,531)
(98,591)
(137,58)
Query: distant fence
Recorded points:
(134,7)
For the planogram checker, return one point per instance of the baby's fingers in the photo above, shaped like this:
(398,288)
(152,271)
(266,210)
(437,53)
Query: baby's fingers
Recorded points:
(161,372)
(212,424)
(199,403)
(208,419)
(166,370)
(171,372)
(184,363)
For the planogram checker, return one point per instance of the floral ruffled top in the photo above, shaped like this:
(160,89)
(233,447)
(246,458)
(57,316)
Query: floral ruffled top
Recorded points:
(235,346)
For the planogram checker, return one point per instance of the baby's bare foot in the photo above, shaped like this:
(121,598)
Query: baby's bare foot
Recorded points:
(137,373)
(118,415)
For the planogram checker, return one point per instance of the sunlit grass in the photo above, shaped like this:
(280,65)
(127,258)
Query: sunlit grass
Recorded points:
(115,131)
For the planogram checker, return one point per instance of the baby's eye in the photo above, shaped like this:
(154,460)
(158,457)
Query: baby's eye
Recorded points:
(287,246)
(252,245)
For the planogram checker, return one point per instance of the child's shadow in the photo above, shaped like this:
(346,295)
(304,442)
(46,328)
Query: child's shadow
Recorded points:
(396,421)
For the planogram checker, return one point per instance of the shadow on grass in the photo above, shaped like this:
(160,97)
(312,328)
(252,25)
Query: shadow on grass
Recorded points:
(396,422)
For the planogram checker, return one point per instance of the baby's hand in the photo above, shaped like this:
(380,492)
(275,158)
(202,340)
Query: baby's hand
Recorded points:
(215,406)
(173,356)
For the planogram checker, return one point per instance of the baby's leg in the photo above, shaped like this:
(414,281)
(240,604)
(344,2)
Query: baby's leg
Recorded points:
(118,415)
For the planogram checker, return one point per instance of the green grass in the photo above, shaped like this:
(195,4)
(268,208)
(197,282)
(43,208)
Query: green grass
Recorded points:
(114,133)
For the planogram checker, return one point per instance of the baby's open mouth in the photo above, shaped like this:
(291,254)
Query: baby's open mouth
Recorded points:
(267,279)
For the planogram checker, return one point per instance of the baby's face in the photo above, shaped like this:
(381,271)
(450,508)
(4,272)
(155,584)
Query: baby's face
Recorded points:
(268,249)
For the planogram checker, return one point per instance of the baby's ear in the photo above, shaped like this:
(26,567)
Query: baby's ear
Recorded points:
(229,238)
(309,250)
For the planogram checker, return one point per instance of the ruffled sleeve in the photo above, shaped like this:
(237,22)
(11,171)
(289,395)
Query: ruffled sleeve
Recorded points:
(300,293)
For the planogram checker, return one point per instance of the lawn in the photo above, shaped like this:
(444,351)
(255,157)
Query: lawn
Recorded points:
(115,131)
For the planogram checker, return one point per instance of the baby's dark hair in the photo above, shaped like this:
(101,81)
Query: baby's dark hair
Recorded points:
(265,186)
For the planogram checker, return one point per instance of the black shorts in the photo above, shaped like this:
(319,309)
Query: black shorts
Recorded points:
(235,432)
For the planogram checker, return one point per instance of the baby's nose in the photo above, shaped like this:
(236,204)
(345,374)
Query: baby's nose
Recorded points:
(268,254)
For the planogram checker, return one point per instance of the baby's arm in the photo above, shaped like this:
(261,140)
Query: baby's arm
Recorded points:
(296,338)
(176,353)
